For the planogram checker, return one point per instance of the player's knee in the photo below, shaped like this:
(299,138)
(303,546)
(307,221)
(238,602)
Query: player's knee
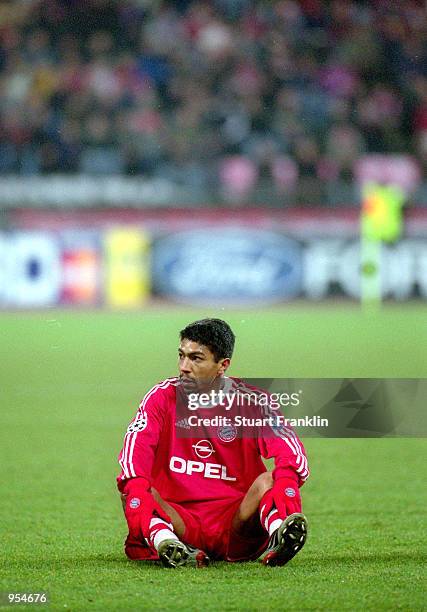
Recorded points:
(155,494)
(249,507)
(263,483)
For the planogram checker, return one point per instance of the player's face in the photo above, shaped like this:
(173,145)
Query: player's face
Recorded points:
(198,369)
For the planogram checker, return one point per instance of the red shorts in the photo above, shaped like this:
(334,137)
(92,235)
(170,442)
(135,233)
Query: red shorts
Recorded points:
(208,526)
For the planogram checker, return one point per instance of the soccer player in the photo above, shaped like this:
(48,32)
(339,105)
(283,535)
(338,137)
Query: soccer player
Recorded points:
(190,496)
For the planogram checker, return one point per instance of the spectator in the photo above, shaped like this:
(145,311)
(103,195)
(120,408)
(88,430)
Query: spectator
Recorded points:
(284,95)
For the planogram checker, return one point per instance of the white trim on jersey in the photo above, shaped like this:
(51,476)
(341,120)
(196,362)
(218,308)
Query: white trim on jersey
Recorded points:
(126,459)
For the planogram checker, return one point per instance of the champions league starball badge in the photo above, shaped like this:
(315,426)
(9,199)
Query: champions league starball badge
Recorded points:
(227,433)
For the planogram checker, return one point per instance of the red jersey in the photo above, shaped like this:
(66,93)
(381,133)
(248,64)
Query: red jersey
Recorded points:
(190,470)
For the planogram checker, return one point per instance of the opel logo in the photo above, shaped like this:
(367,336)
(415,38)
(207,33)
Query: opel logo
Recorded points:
(203,449)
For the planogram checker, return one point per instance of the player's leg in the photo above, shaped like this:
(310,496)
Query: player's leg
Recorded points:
(176,520)
(172,551)
(152,525)
(257,515)
(163,529)
(246,521)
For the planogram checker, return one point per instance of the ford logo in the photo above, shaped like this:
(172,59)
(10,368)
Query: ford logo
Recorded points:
(228,265)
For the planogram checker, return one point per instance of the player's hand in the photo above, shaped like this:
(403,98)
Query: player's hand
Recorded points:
(286,496)
(138,498)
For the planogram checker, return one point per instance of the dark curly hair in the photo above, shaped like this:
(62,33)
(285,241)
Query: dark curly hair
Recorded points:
(213,333)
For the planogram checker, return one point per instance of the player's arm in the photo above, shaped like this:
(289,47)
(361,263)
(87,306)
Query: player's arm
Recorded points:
(288,451)
(137,459)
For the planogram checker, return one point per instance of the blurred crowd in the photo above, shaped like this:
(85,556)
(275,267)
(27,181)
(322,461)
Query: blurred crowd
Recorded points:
(271,101)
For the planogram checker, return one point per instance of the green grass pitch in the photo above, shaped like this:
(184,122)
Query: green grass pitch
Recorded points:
(69,384)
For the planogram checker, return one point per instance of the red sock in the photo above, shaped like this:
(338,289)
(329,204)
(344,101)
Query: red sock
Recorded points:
(160,530)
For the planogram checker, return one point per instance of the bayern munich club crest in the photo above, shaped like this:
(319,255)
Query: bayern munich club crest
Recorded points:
(290,492)
(227,433)
(135,502)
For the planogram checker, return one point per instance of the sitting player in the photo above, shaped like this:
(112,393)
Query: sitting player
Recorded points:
(189,499)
